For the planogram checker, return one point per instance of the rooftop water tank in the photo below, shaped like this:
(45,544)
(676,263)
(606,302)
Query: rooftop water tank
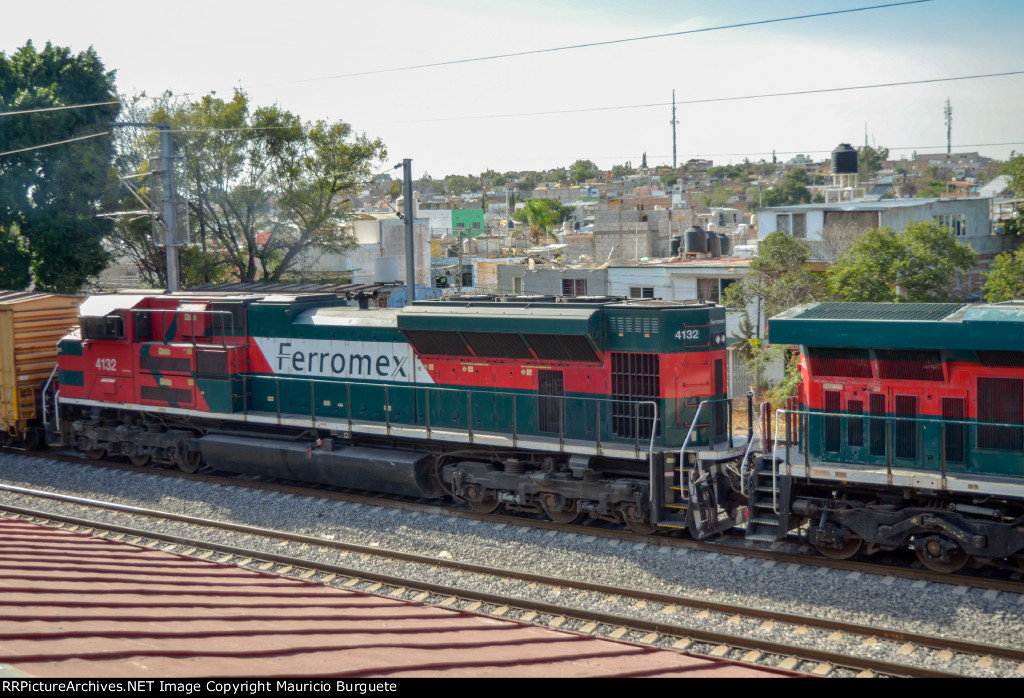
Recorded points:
(695,240)
(844,159)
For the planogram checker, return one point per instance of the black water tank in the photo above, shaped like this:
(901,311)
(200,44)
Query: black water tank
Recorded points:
(844,159)
(675,242)
(695,240)
(714,245)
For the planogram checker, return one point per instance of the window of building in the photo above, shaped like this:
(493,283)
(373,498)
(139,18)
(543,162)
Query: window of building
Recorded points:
(710,290)
(517,285)
(641,292)
(574,287)
(957,222)
(793,224)
(800,226)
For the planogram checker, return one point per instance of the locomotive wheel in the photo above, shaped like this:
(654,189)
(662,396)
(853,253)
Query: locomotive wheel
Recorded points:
(480,503)
(848,547)
(637,524)
(191,462)
(558,508)
(139,459)
(96,453)
(485,505)
(940,554)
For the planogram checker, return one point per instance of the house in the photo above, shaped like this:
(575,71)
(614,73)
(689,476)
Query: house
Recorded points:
(380,256)
(830,228)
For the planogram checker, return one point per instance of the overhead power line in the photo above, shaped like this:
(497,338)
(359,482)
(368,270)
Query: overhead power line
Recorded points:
(592,44)
(61,108)
(50,145)
(719,99)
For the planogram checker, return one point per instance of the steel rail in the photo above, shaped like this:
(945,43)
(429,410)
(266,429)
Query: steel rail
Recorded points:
(650,626)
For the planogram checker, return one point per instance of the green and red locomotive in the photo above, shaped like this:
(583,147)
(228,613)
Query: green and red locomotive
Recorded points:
(911,432)
(600,407)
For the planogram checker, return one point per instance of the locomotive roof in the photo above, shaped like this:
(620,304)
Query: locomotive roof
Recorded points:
(502,317)
(997,327)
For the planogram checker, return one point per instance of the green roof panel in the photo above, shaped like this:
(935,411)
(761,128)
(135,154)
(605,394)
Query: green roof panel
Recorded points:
(953,326)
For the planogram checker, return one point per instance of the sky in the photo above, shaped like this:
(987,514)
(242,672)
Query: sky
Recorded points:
(609,103)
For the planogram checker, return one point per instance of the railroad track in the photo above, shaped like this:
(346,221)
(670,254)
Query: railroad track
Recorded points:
(716,629)
(1008,580)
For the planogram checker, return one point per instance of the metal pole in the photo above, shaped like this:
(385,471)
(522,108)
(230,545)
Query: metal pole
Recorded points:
(170,211)
(674,122)
(410,240)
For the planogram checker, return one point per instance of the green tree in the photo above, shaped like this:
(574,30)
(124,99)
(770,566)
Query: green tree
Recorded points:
(266,189)
(459,184)
(1005,279)
(14,262)
(1014,167)
(917,265)
(777,277)
(541,215)
(793,190)
(581,170)
(317,176)
(869,159)
(52,190)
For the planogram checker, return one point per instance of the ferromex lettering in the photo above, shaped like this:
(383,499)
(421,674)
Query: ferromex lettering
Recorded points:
(342,359)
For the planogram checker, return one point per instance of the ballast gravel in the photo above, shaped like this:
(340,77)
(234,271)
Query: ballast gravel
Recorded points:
(945,610)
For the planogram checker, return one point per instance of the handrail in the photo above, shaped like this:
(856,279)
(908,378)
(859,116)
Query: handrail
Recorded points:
(750,447)
(46,387)
(389,387)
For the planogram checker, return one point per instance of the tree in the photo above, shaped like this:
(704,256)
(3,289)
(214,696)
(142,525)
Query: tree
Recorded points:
(1014,167)
(316,179)
(541,215)
(264,188)
(455,185)
(869,159)
(50,196)
(917,265)
(793,190)
(581,170)
(777,277)
(1005,279)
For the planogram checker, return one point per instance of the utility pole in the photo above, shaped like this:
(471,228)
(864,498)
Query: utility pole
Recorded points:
(170,201)
(673,122)
(169,208)
(949,127)
(410,241)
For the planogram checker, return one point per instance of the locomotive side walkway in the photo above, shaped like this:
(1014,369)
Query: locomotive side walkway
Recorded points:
(75,605)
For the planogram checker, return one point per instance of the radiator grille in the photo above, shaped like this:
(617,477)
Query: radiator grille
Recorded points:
(558,347)
(1001,400)
(437,343)
(634,377)
(841,363)
(915,365)
(497,345)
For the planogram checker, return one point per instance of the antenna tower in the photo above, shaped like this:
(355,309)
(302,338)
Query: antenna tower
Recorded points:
(949,127)
(673,122)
